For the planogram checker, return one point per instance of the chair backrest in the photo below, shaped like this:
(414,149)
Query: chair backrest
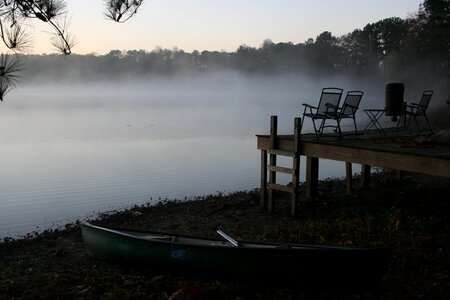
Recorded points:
(424,102)
(351,103)
(329,96)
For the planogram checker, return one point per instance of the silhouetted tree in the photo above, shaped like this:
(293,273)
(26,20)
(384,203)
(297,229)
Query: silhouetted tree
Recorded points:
(390,35)
(429,37)
(247,58)
(211,60)
(327,55)
(285,57)
(359,57)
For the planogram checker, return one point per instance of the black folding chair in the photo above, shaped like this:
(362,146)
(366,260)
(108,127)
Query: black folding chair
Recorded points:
(326,110)
(415,110)
(349,109)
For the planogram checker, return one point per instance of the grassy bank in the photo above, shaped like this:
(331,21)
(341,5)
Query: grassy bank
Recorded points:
(411,217)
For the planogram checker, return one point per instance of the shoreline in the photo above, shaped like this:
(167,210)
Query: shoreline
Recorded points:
(60,225)
(411,217)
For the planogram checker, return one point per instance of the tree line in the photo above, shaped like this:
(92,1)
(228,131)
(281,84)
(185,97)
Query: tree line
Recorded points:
(391,47)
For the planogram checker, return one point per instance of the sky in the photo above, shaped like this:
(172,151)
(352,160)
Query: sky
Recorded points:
(216,25)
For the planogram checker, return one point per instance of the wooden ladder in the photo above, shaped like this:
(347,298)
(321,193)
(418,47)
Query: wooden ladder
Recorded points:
(273,152)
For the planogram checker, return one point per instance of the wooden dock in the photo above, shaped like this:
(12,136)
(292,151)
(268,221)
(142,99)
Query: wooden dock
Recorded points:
(370,149)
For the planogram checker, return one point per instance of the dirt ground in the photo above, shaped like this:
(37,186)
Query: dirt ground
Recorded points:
(410,216)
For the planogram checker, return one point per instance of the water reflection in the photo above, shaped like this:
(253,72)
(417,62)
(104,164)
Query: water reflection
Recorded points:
(47,183)
(66,156)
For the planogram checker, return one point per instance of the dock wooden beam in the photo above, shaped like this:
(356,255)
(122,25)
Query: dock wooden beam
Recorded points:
(398,160)
(425,161)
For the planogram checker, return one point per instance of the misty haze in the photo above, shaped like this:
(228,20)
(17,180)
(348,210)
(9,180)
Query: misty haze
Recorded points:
(70,150)
(78,146)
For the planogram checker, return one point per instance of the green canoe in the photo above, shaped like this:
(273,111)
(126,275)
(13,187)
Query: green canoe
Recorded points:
(155,249)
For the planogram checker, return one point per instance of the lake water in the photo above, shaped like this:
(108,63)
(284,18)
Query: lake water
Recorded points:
(69,151)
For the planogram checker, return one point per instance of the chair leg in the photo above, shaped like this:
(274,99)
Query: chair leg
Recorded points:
(339,130)
(401,119)
(322,126)
(409,121)
(417,124)
(428,123)
(356,129)
(303,118)
(315,127)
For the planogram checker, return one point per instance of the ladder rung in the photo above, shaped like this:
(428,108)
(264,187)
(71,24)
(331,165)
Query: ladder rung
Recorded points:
(281,170)
(280,152)
(280,187)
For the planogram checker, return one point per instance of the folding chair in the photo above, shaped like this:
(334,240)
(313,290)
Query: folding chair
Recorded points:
(327,109)
(348,109)
(415,110)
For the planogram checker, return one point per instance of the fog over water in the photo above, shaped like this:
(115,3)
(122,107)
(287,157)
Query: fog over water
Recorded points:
(69,150)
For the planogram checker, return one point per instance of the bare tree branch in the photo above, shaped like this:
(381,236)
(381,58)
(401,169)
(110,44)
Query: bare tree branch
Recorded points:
(121,10)
(13,15)
(63,40)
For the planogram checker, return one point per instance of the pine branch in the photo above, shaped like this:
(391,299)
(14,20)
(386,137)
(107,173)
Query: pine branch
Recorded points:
(9,74)
(121,10)
(13,15)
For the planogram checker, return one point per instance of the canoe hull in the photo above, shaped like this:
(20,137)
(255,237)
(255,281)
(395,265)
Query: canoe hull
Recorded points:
(267,260)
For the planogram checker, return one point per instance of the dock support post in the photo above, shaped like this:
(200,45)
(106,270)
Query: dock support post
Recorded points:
(365,174)
(348,177)
(312,177)
(295,197)
(272,160)
(263,188)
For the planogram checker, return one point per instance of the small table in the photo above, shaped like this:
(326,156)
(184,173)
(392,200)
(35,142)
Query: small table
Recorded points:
(374,115)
